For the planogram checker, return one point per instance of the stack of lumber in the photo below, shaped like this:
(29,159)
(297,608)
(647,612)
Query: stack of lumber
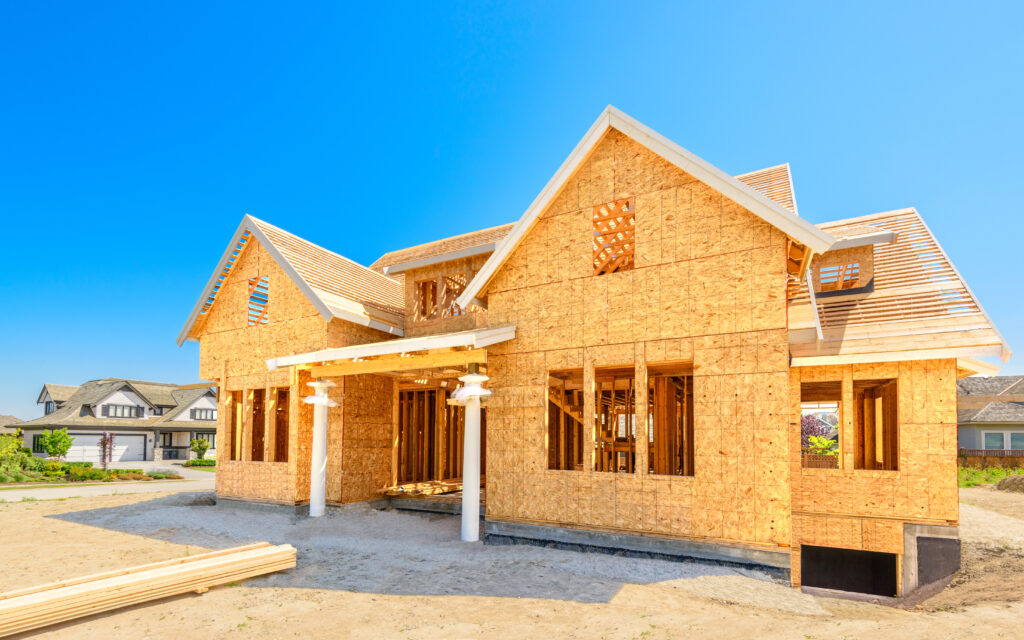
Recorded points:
(47,604)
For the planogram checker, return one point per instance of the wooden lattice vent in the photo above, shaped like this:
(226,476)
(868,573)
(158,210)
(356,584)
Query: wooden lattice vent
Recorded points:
(614,224)
(259,300)
(840,276)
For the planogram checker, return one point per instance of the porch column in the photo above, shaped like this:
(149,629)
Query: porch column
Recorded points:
(471,394)
(318,470)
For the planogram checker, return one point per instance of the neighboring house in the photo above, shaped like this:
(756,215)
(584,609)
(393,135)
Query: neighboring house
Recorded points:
(652,329)
(990,414)
(9,424)
(149,420)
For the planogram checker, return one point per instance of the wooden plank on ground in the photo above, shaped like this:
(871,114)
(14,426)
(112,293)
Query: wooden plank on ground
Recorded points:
(43,605)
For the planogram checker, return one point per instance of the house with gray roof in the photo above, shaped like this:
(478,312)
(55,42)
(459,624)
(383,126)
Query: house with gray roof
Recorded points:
(990,413)
(8,423)
(149,420)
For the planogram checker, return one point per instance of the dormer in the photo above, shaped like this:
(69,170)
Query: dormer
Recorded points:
(847,269)
(435,274)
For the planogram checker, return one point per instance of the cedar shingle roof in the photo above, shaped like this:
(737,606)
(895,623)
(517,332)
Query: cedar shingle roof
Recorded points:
(443,246)
(334,274)
(775,183)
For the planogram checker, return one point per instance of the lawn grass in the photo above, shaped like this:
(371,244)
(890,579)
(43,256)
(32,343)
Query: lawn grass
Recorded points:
(969,477)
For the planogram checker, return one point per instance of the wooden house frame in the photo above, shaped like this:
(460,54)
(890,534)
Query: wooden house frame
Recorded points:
(651,328)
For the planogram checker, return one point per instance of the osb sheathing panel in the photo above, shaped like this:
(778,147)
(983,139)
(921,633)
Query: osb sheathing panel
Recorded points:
(709,288)
(834,507)
(439,324)
(368,415)
(235,354)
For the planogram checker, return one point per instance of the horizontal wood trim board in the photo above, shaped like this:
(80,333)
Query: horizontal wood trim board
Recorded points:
(397,363)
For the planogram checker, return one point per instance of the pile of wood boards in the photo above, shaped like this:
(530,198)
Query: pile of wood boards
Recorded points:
(47,604)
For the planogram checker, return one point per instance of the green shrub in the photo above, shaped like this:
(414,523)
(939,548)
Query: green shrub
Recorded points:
(26,450)
(201,462)
(969,477)
(156,475)
(4,478)
(18,476)
(32,463)
(80,474)
(78,464)
(122,472)
(10,456)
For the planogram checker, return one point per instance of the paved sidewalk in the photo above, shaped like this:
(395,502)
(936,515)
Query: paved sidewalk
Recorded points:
(194,481)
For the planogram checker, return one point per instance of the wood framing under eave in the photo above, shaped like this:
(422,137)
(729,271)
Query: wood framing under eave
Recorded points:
(973,367)
(472,339)
(388,364)
(775,214)
(895,356)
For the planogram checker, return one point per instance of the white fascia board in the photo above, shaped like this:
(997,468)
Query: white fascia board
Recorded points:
(897,356)
(438,259)
(192,317)
(817,240)
(881,237)
(476,338)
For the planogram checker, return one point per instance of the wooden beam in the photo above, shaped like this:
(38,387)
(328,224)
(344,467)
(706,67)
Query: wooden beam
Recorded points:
(398,363)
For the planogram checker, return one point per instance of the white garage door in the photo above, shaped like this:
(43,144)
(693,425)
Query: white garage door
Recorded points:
(86,448)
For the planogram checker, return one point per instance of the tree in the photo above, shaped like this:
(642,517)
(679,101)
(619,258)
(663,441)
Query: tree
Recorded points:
(823,446)
(107,448)
(811,426)
(56,443)
(200,446)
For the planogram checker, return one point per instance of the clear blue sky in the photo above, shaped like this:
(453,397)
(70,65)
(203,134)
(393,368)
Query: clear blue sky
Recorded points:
(134,136)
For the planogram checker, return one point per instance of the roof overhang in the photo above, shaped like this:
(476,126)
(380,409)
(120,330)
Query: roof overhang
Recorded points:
(859,241)
(817,240)
(466,340)
(975,367)
(959,353)
(468,252)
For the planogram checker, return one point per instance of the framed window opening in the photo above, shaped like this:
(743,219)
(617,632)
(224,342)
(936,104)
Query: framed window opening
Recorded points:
(233,428)
(820,424)
(258,425)
(281,424)
(122,411)
(565,420)
(615,419)
(876,424)
(426,299)
(670,420)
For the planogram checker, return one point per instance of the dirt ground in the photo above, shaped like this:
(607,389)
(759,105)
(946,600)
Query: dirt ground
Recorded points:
(364,573)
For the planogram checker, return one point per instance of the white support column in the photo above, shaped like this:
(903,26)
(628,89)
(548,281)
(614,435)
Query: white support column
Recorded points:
(471,395)
(318,470)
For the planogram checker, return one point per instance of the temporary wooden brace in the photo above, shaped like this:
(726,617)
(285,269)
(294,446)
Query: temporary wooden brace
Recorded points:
(43,605)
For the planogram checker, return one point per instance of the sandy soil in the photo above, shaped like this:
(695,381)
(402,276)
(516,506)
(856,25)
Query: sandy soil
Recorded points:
(374,574)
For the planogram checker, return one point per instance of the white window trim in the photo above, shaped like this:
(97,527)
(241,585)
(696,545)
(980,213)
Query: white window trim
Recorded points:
(1007,439)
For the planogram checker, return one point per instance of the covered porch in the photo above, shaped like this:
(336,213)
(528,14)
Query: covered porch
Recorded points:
(438,444)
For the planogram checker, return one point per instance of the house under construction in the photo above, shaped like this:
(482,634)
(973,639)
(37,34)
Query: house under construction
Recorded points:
(652,332)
